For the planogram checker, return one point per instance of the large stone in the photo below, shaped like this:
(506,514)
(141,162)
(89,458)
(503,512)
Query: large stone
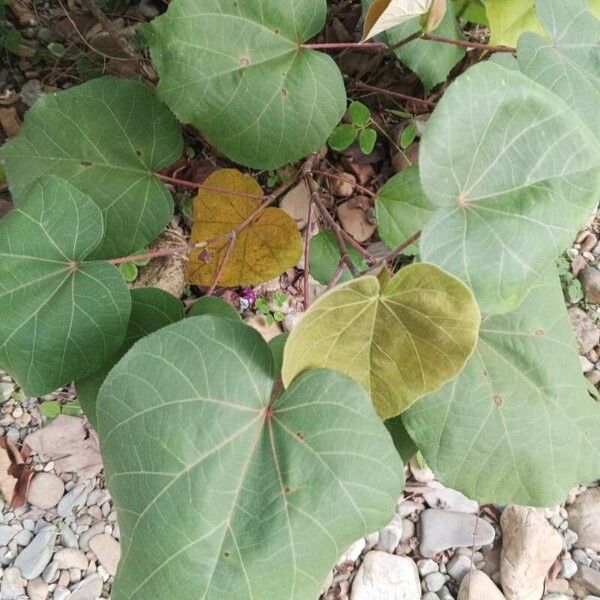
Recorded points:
(439,496)
(37,589)
(35,558)
(440,530)
(385,576)
(476,585)
(530,546)
(71,558)
(586,331)
(107,550)
(45,490)
(584,519)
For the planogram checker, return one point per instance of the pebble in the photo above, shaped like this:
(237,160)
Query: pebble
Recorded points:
(581,556)
(427,566)
(23,537)
(434,582)
(352,554)
(37,589)
(35,557)
(68,538)
(389,537)
(107,550)
(442,529)
(45,490)
(568,568)
(70,558)
(589,578)
(12,584)
(430,596)
(384,576)
(6,534)
(94,530)
(87,589)
(31,91)
(148,9)
(61,593)
(458,566)
(295,203)
(73,500)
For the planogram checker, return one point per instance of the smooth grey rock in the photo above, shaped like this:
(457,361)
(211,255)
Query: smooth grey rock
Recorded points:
(530,546)
(568,568)
(458,566)
(87,589)
(434,582)
(389,536)
(584,518)
(23,537)
(35,557)
(439,496)
(385,576)
(6,534)
(72,500)
(12,585)
(581,556)
(440,530)
(430,596)
(68,538)
(426,566)
(60,593)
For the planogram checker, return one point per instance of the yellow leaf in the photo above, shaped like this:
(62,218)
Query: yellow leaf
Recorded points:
(262,251)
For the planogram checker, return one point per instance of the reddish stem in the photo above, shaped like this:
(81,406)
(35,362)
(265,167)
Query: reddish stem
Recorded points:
(467,44)
(208,188)
(374,88)
(344,178)
(345,45)
(223,263)
(307,252)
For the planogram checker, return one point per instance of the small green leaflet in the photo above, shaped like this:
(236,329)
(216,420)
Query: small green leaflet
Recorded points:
(106,137)
(325,257)
(267,490)
(61,317)
(237,72)
(151,309)
(568,63)
(517,426)
(400,338)
(514,174)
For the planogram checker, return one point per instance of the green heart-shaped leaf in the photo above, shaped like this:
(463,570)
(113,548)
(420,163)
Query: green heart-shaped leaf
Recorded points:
(399,339)
(568,62)
(151,309)
(106,137)
(514,173)
(239,494)
(60,316)
(517,425)
(237,72)
(402,209)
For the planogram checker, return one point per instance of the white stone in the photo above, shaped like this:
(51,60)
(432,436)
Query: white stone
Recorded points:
(12,584)
(33,560)
(88,589)
(70,558)
(439,496)
(352,554)
(384,576)
(458,566)
(37,589)
(584,519)
(476,585)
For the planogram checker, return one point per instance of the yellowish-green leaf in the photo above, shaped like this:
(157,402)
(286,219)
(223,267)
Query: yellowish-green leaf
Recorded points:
(385,14)
(262,251)
(510,18)
(400,338)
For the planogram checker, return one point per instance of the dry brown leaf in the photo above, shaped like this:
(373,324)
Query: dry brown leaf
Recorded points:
(14,473)
(9,119)
(262,251)
(71,444)
(385,14)
(435,15)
